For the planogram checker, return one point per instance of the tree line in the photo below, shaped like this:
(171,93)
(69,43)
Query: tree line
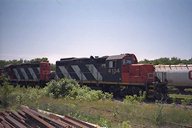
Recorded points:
(3,63)
(21,61)
(164,60)
(167,61)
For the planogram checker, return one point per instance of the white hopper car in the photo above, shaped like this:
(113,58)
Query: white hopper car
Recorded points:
(179,76)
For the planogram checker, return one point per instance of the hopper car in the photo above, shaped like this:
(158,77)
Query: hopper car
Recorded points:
(178,76)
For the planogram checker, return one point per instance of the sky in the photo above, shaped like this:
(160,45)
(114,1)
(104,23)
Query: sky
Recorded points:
(56,29)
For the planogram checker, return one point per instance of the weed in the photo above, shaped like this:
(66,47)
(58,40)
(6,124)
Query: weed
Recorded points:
(5,92)
(130,99)
(159,115)
(135,98)
(125,124)
(186,101)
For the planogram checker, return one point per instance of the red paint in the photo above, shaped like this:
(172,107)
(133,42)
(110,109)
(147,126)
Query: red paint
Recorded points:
(45,70)
(137,73)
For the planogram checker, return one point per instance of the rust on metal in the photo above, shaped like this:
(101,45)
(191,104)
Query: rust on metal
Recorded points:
(32,118)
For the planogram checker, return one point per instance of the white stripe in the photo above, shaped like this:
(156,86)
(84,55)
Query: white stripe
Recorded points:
(16,73)
(78,72)
(24,73)
(33,74)
(94,71)
(64,72)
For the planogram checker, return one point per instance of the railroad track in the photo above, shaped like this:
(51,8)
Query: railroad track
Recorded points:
(30,118)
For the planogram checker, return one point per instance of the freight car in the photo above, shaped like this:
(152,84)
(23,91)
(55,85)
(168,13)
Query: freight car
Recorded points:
(37,73)
(120,74)
(179,76)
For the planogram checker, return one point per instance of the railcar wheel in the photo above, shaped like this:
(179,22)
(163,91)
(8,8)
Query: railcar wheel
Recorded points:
(158,96)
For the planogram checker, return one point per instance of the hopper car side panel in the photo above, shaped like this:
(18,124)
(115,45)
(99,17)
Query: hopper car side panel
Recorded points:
(176,75)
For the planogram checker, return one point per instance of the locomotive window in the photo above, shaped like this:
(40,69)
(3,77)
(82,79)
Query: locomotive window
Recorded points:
(103,65)
(111,64)
(126,61)
(123,61)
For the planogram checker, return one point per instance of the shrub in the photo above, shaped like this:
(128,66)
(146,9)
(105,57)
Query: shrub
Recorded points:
(5,92)
(186,101)
(60,88)
(85,93)
(135,98)
(26,96)
(71,89)
(130,99)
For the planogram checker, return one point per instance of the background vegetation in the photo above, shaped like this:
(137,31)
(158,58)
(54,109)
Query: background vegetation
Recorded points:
(167,61)
(21,61)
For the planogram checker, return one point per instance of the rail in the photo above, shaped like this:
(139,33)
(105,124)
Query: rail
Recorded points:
(31,118)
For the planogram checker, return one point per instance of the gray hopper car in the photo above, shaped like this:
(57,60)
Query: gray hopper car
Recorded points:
(179,76)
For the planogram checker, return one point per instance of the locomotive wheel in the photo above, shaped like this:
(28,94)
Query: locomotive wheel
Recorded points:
(158,96)
(131,90)
(136,91)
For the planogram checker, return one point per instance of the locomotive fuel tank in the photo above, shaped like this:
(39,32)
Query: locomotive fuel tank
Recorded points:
(175,75)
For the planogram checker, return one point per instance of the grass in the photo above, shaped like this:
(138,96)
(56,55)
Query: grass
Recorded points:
(114,114)
(183,99)
(131,113)
(181,96)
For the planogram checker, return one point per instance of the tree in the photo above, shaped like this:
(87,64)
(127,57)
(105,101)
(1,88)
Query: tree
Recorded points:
(167,61)
(37,60)
(175,60)
(20,61)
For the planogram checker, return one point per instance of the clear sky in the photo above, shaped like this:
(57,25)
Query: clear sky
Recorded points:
(80,28)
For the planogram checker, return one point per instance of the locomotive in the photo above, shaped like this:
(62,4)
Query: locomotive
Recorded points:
(119,74)
(28,73)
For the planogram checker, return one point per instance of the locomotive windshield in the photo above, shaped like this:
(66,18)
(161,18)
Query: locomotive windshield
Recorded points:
(124,58)
(127,61)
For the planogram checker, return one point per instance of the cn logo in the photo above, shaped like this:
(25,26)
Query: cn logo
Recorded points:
(190,74)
